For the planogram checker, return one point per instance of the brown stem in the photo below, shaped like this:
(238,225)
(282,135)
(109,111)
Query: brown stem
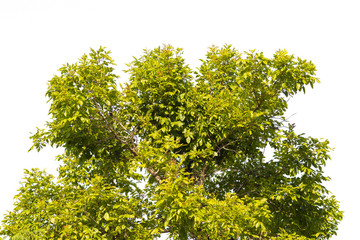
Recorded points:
(132,148)
(203,175)
(155,174)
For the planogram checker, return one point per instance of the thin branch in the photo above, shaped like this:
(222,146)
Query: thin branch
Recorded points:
(155,174)
(203,175)
(88,214)
(225,146)
(242,185)
(132,149)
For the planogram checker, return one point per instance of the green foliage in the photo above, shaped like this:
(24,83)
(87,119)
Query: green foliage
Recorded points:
(177,151)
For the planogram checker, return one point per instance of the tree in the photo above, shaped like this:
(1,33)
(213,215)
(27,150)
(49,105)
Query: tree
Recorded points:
(178,151)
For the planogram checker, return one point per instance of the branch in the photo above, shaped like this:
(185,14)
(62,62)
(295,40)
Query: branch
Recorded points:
(117,137)
(132,148)
(203,175)
(155,174)
(227,144)
(89,215)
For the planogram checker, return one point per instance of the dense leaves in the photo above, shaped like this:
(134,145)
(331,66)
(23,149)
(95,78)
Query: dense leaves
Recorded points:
(178,151)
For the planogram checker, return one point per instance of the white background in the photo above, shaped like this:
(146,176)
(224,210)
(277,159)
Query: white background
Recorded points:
(38,36)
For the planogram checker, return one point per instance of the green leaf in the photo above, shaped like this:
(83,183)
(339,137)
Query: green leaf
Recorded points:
(106,216)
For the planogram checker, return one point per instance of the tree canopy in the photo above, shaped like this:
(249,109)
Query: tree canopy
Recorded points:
(205,154)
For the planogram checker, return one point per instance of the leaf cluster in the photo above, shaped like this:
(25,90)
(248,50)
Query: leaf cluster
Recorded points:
(178,151)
